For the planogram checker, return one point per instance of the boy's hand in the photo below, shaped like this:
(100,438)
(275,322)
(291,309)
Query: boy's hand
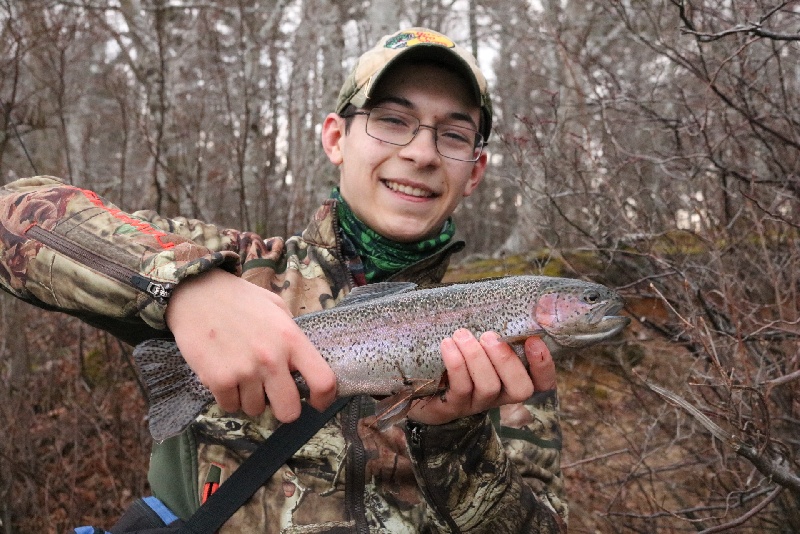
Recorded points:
(241,341)
(484,374)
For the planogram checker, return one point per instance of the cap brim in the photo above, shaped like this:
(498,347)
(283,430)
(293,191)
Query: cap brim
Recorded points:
(434,53)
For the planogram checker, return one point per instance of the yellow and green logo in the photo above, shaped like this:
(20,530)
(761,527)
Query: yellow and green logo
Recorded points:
(413,38)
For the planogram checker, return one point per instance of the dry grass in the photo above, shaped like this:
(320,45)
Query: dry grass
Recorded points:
(75,449)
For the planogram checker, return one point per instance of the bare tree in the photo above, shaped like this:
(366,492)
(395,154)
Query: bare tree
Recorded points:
(650,146)
(679,170)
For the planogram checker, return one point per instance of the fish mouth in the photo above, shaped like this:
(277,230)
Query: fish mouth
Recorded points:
(603,323)
(610,323)
(607,311)
(606,327)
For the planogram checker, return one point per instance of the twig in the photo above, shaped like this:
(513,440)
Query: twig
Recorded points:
(716,430)
(754,28)
(671,307)
(594,458)
(772,466)
(743,518)
(785,379)
(13,124)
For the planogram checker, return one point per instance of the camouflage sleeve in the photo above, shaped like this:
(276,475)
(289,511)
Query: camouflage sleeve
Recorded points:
(531,435)
(476,482)
(64,248)
(246,244)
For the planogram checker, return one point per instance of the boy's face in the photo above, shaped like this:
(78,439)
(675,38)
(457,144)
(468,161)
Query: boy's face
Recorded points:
(405,193)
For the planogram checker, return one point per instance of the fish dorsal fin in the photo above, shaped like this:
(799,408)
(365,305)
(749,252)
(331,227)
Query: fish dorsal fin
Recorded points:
(370,292)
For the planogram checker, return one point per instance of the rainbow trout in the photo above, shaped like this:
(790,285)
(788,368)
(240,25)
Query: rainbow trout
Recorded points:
(383,339)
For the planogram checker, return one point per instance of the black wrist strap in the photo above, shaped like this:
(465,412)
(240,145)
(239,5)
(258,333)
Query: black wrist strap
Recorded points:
(258,468)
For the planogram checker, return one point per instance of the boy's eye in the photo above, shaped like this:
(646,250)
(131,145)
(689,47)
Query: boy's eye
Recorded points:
(453,135)
(392,120)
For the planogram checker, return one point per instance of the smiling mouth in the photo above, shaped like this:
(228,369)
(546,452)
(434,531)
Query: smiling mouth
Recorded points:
(408,190)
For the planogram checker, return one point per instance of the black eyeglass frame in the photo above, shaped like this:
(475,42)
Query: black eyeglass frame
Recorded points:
(479,144)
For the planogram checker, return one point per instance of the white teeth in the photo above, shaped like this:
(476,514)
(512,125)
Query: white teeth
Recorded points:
(408,190)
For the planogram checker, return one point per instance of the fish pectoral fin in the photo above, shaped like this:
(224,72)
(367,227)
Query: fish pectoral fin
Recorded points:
(520,338)
(391,410)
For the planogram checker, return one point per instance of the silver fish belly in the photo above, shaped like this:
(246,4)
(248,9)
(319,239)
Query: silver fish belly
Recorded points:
(383,339)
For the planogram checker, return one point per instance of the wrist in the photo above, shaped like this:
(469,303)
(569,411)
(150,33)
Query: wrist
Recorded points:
(190,293)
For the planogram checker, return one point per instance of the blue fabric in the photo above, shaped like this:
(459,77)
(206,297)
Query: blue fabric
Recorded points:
(159,508)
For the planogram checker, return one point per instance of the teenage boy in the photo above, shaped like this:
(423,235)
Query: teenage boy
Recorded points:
(408,134)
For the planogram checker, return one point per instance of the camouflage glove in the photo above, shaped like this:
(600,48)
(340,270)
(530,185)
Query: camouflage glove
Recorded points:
(531,434)
(471,484)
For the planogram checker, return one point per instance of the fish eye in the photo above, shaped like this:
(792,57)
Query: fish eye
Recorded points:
(591,297)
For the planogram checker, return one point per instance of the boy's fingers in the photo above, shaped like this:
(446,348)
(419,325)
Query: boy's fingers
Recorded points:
(320,380)
(458,375)
(541,364)
(228,399)
(283,397)
(516,386)
(485,383)
(251,395)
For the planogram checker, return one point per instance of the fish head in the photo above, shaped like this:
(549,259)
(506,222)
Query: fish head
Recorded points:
(577,314)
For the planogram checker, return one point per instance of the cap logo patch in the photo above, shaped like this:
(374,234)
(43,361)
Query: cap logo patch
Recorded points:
(413,38)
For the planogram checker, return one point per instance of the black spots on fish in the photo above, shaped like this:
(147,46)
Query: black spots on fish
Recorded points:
(418,356)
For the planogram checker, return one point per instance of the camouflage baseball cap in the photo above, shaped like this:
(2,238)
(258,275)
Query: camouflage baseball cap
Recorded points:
(418,43)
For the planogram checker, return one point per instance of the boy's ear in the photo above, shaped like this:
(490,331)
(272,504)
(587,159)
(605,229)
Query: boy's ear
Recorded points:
(478,170)
(333,132)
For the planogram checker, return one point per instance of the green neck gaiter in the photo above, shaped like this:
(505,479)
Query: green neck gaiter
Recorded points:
(383,257)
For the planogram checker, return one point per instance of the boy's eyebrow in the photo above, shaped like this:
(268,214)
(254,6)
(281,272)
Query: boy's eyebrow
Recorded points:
(404,102)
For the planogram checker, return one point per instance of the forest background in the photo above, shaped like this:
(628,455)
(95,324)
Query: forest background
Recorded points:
(651,146)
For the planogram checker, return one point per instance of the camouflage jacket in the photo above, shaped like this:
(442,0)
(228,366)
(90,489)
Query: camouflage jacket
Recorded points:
(64,248)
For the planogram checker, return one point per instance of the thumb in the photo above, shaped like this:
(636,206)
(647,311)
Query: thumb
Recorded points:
(541,365)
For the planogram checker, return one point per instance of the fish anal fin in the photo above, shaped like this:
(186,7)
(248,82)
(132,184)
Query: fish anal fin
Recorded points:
(393,409)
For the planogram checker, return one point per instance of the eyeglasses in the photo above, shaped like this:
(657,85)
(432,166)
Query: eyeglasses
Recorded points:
(400,128)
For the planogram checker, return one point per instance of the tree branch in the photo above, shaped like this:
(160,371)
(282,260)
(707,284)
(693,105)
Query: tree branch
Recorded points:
(775,468)
(743,518)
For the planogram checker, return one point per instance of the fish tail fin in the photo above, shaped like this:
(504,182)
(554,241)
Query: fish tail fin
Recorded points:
(176,395)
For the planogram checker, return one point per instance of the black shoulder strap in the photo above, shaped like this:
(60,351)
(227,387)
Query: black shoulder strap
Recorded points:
(258,468)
